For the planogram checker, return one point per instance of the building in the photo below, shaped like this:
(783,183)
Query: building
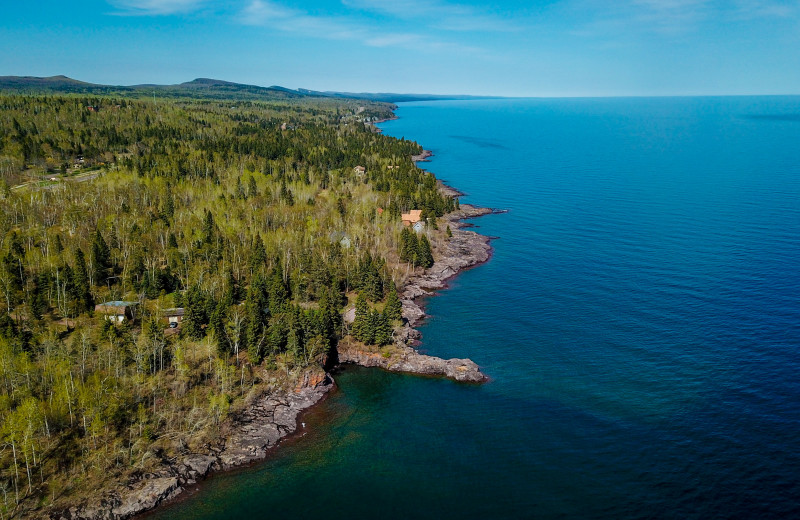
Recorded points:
(418,226)
(360,170)
(342,238)
(117,311)
(412,217)
(173,315)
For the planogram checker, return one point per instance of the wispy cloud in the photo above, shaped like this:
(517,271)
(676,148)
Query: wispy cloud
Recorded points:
(156,7)
(445,16)
(266,13)
(760,9)
(270,14)
(675,17)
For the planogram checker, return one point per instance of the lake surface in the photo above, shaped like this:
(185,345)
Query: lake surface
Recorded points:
(640,321)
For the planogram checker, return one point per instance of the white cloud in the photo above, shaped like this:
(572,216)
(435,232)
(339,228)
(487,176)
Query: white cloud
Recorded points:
(266,13)
(442,15)
(156,7)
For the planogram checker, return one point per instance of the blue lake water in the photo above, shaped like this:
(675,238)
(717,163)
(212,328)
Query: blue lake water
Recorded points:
(640,321)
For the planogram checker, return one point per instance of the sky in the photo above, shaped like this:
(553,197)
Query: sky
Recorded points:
(496,47)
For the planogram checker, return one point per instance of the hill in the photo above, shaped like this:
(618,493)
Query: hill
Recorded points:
(202,88)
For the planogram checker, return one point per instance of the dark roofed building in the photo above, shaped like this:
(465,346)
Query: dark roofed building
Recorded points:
(117,311)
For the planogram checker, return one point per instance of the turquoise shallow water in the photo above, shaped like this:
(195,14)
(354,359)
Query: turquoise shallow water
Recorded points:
(640,320)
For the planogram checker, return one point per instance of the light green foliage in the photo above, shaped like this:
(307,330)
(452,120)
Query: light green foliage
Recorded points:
(196,205)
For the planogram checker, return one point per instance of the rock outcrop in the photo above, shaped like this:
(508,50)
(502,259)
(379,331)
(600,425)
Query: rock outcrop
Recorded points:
(401,358)
(248,437)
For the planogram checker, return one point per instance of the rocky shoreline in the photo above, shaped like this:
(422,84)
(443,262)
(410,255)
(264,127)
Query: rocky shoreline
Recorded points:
(270,416)
(247,436)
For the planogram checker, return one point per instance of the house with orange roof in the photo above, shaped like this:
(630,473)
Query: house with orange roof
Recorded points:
(412,217)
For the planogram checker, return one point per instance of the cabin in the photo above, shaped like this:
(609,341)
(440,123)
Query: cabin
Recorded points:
(412,217)
(360,170)
(342,238)
(418,226)
(173,315)
(93,108)
(117,311)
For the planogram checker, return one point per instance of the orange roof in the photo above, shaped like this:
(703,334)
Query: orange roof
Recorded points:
(415,215)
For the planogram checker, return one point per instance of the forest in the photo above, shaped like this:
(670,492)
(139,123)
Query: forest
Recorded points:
(251,216)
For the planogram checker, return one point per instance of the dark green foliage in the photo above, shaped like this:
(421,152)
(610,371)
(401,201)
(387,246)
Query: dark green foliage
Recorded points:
(101,259)
(258,258)
(415,249)
(424,254)
(381,328)
(195,318)
(360,328)
(394,307)
(79,291)
(368,277)
(209,228)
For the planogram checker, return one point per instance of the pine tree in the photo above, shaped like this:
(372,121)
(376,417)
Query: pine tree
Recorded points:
(252,189)
(255,305)
(361,324)
(208,228)
(80,281)
(425,257)
(194,314)
(217,324)
(381,329)
(258,258)
(38,303)
(394,307)
(101,259)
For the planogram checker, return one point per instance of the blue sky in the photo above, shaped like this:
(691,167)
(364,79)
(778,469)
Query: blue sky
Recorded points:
(511,47)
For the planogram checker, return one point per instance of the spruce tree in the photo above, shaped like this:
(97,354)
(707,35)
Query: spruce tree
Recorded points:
(258,258)
(394,307)
(208,228)
(82,295)
(101,259)
(425,257)
(361,323)
(381,329)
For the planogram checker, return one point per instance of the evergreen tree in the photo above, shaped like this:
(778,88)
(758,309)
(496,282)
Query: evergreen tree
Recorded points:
(381,328)
(258,258)
(425,255)
(208,228)
(217,324)
(101,259)
(80,284)
(361,326)
(194,314)
(394,307)
(252,189)
(38,299)
(255,310)
(168,211)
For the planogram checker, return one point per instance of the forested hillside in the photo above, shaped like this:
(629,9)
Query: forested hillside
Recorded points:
(250,216)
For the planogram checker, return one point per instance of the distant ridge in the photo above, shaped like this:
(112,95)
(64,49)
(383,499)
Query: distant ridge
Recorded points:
(201,88)
(390,97)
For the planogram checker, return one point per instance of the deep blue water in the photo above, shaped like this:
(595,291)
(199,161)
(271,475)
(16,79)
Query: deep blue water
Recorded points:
(640,320)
